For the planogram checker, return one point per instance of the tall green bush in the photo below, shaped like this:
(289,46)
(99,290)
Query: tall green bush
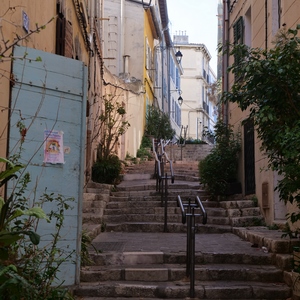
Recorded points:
(219,169)
(158,124)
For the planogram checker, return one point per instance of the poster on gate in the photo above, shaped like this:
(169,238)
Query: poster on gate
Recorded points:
(53,147)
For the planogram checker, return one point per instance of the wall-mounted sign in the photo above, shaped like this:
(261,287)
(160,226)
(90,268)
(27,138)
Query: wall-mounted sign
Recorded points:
(25,21)
(53,147)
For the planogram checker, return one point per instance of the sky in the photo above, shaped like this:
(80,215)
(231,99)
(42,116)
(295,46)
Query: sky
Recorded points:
(198,18)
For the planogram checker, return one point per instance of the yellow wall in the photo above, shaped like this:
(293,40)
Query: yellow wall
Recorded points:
(148,82)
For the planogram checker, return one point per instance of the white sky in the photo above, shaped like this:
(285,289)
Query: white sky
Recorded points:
(198,18)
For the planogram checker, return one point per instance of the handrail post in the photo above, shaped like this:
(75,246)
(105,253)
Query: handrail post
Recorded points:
(165,192)
(192,258)
(188,239)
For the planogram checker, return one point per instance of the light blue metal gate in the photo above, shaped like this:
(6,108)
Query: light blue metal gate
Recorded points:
(48,110)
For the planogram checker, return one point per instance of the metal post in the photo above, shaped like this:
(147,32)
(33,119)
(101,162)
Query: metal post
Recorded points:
(188,240)
(192,265)
(165,192)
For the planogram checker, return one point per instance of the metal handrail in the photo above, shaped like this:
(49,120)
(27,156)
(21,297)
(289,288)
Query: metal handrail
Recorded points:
(161,158)
(188,215)
(204,214)
(179,201)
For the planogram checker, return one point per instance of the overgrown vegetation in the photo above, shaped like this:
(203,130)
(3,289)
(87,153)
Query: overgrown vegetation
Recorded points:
(28,270)
(158,124)
(219,169)
(269,86)
(107,170)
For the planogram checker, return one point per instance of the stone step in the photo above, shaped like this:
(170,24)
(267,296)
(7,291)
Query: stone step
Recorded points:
(171,197)
(106,258)
(176,272)
(128,209)
(159,227)
(237,204)
(247,221)
(244,212)
(181,290)
(151,189)
(149,204)
(159,217)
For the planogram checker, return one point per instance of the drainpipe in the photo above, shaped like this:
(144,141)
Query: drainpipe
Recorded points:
(225,60)
(266,24)
(122,33)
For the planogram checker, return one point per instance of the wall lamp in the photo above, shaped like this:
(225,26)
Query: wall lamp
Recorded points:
(180,99)
(178,55)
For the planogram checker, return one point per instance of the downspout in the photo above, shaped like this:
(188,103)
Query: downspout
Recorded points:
(122,38)
(266,24)
(162,78)
(169,81)
(225,60)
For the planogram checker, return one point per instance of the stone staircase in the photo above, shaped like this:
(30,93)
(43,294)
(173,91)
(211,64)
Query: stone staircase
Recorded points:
(133,214)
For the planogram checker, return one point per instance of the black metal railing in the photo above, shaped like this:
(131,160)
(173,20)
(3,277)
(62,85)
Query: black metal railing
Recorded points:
(190,211)
(161,162)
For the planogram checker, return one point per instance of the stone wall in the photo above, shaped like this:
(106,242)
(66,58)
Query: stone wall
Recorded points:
(190,152)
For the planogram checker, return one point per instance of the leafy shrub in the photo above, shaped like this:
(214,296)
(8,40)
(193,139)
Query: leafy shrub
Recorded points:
(28,271)
(107,170)
(158,124)
(219,168)
(146,142)
(196,141)
(143,152)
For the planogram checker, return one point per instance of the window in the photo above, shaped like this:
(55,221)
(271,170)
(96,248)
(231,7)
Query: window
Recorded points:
(149,60)
(238,31)
(238,38)
(276,16)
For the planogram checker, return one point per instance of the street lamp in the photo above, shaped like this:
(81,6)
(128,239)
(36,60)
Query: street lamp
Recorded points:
(180,99)
(178,55)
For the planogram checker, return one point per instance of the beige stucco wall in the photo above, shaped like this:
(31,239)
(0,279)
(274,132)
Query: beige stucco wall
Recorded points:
(255,10)
(38,12)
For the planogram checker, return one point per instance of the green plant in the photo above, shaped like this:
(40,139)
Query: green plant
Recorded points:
(218,169)
(273,227)
(86,243)
(143,152)
(146,142)
(269,87)
(197,141)
(158,124)
(107,170)
(28,271)
(112,125)
(254,200)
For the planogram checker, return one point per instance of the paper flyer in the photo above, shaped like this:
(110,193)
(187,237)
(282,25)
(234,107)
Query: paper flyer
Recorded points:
(53,147)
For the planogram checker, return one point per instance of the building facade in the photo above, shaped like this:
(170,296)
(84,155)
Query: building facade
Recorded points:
(255,23)
(199,110)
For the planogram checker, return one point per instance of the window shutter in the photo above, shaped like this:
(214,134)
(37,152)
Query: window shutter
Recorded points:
(238,31)
(238,38)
